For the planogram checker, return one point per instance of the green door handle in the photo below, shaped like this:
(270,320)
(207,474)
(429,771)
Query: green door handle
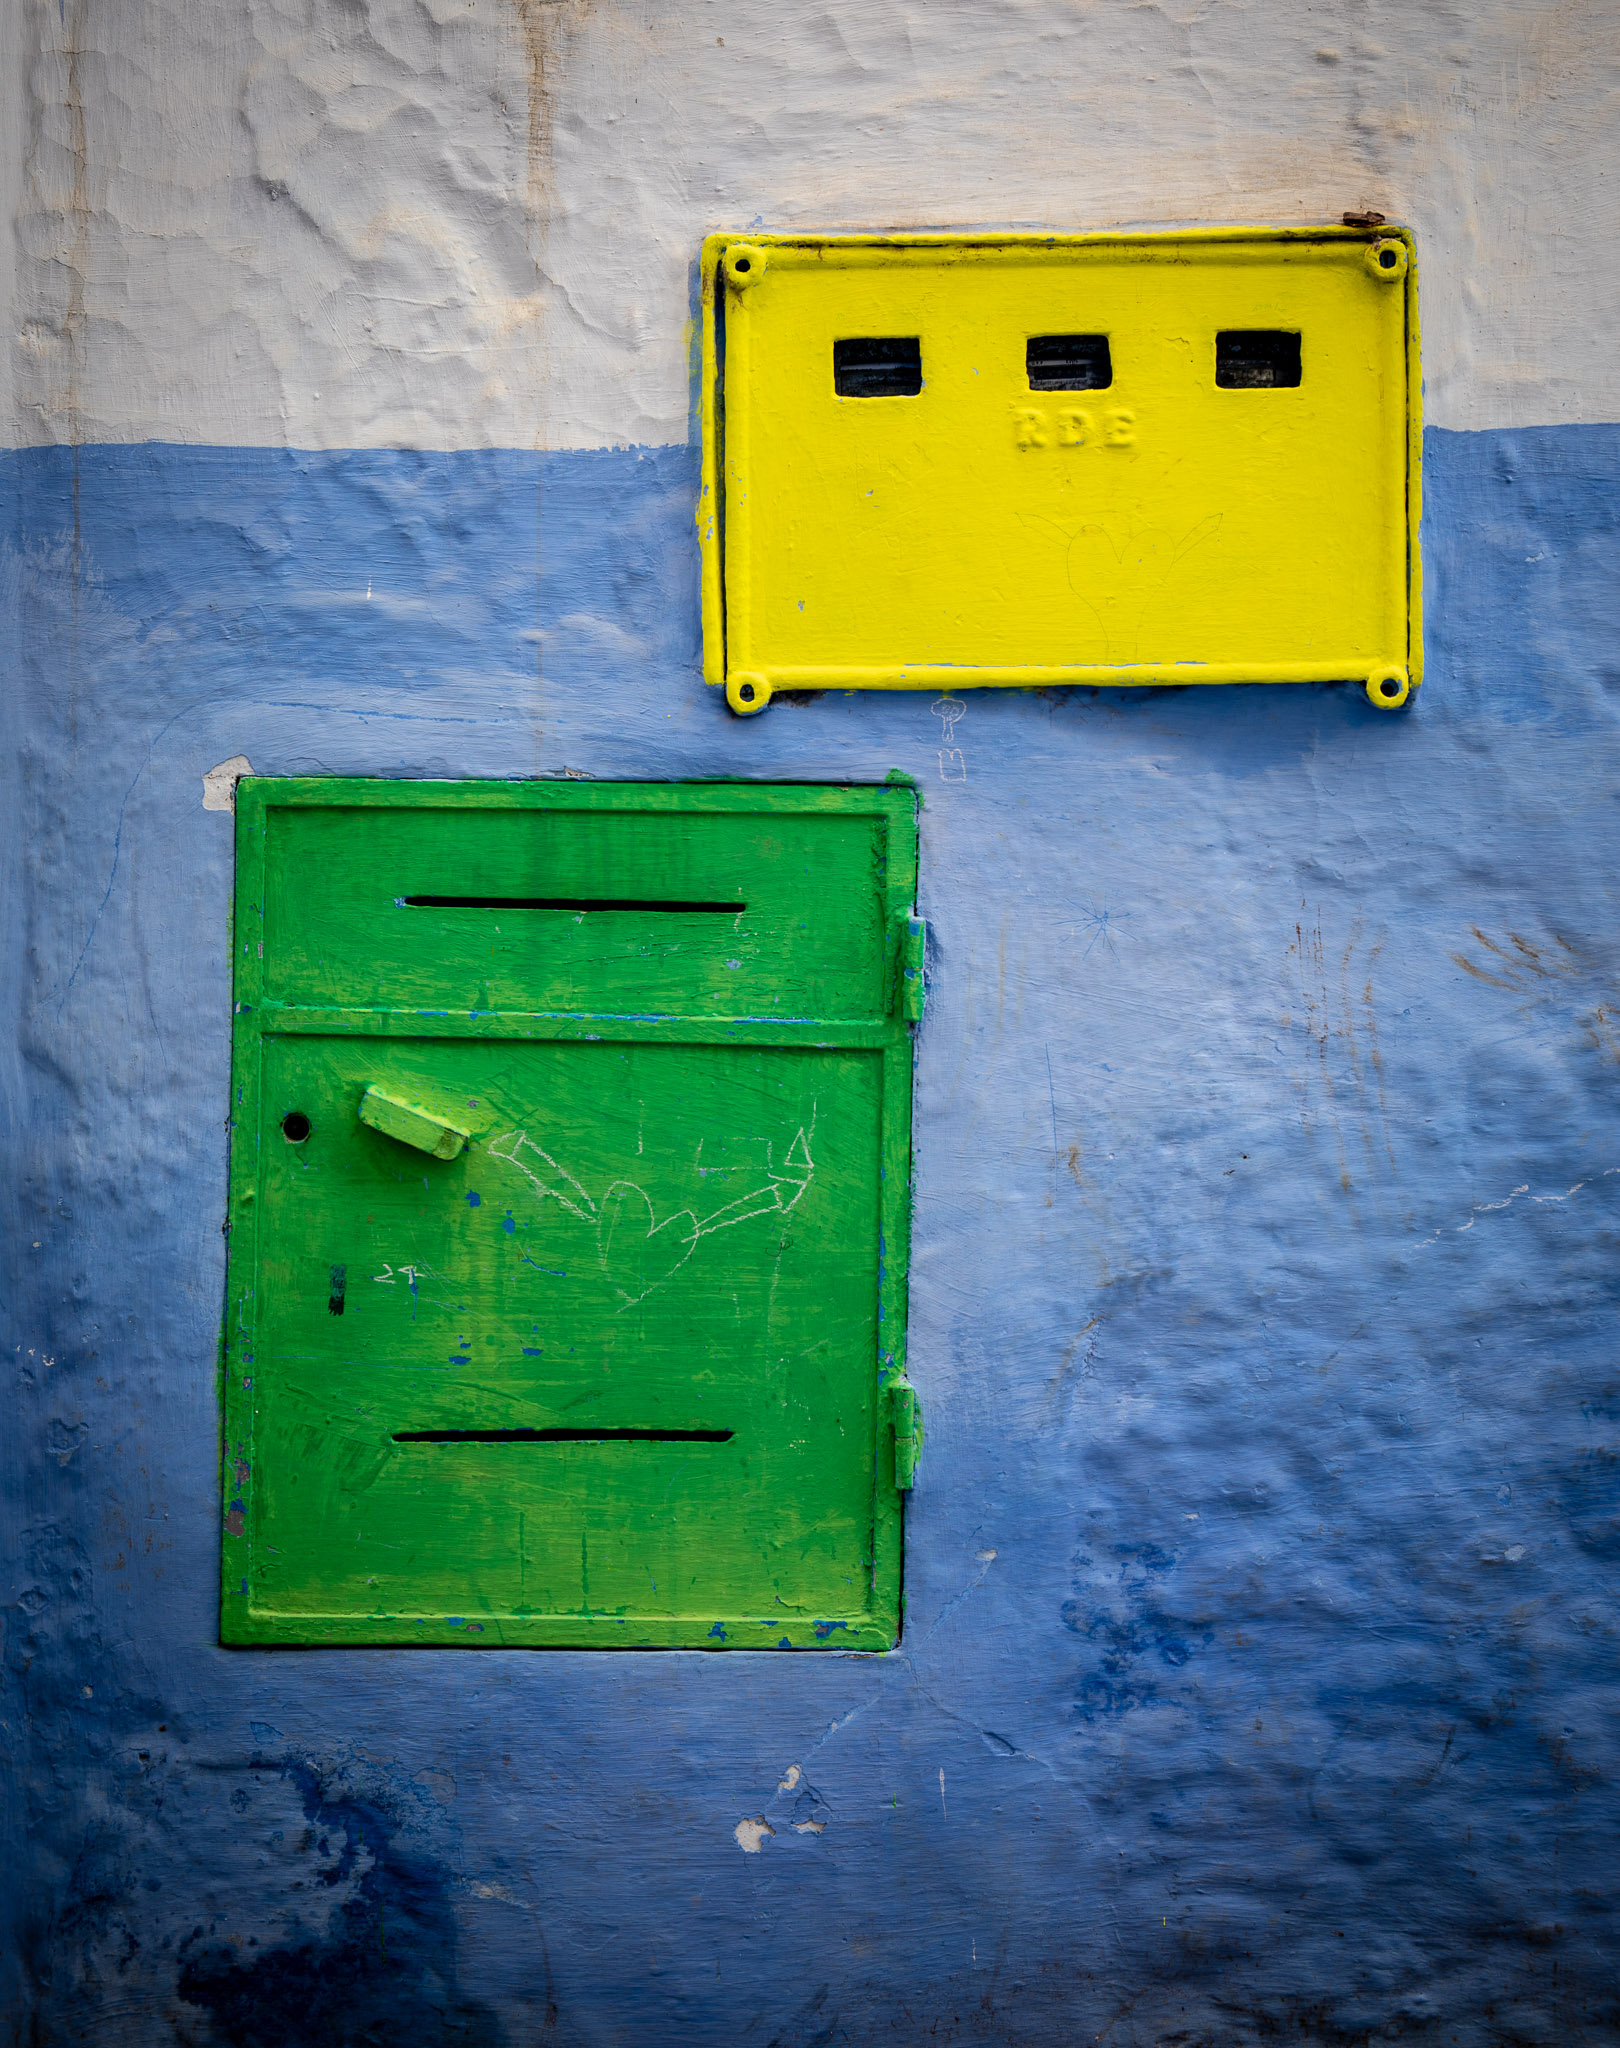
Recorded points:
(411,1124)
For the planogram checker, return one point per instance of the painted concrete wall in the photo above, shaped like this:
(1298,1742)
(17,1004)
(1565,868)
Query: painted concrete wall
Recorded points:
(1258,1681)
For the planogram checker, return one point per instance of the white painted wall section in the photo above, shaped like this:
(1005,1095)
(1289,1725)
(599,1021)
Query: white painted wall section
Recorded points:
(457,223)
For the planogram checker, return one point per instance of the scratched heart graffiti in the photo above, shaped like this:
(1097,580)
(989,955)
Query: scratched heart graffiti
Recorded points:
(636,1250)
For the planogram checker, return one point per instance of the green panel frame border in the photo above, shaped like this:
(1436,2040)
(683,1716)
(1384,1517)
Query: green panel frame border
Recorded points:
(254,1018)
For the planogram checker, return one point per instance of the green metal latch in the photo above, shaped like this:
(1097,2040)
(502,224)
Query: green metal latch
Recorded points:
(913,936)
(411,1124)
(906,1410)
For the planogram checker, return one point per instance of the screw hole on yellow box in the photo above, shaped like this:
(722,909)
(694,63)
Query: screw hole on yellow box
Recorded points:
(1387,261)
(744,265)
(747,694)
(1389,688)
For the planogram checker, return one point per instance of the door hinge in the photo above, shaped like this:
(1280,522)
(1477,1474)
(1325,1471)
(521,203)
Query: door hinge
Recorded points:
(906,1413)
(911,947)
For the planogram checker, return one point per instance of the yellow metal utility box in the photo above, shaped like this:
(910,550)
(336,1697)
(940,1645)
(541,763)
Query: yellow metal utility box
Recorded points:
(935,462)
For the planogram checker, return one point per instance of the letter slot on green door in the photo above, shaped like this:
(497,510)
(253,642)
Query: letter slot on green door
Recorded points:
(570,1175)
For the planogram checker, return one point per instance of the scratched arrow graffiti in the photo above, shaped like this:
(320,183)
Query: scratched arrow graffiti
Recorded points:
(637,1252)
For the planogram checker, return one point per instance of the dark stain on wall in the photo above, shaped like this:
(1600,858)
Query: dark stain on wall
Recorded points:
(1135,1628)
(1590,1498)
(384,1972)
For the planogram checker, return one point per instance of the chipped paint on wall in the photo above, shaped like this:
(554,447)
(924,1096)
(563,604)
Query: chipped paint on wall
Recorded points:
(219,784)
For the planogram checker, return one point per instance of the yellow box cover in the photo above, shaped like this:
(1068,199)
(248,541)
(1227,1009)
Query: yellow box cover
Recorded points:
(935,462)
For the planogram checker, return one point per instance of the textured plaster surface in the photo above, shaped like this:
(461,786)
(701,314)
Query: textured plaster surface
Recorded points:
(1257,1683)
(472,223)
(13,154)
(1258,1678)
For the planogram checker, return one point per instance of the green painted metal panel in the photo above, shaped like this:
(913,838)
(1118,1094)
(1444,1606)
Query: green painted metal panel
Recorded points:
(420,908)
(569,1217)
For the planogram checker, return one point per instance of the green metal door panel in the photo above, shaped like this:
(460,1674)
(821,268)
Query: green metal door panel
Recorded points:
(577,911)
(540,1335)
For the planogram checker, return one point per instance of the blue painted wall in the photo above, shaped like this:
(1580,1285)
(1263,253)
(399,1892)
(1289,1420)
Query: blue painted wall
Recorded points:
(1258,1680)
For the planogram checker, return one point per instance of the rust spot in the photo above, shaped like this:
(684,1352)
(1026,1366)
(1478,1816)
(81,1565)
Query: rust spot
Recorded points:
(546,26)
(1479,973)
(1600,1029)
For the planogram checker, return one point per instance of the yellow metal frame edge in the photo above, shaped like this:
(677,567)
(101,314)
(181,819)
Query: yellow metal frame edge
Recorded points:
(711,503)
